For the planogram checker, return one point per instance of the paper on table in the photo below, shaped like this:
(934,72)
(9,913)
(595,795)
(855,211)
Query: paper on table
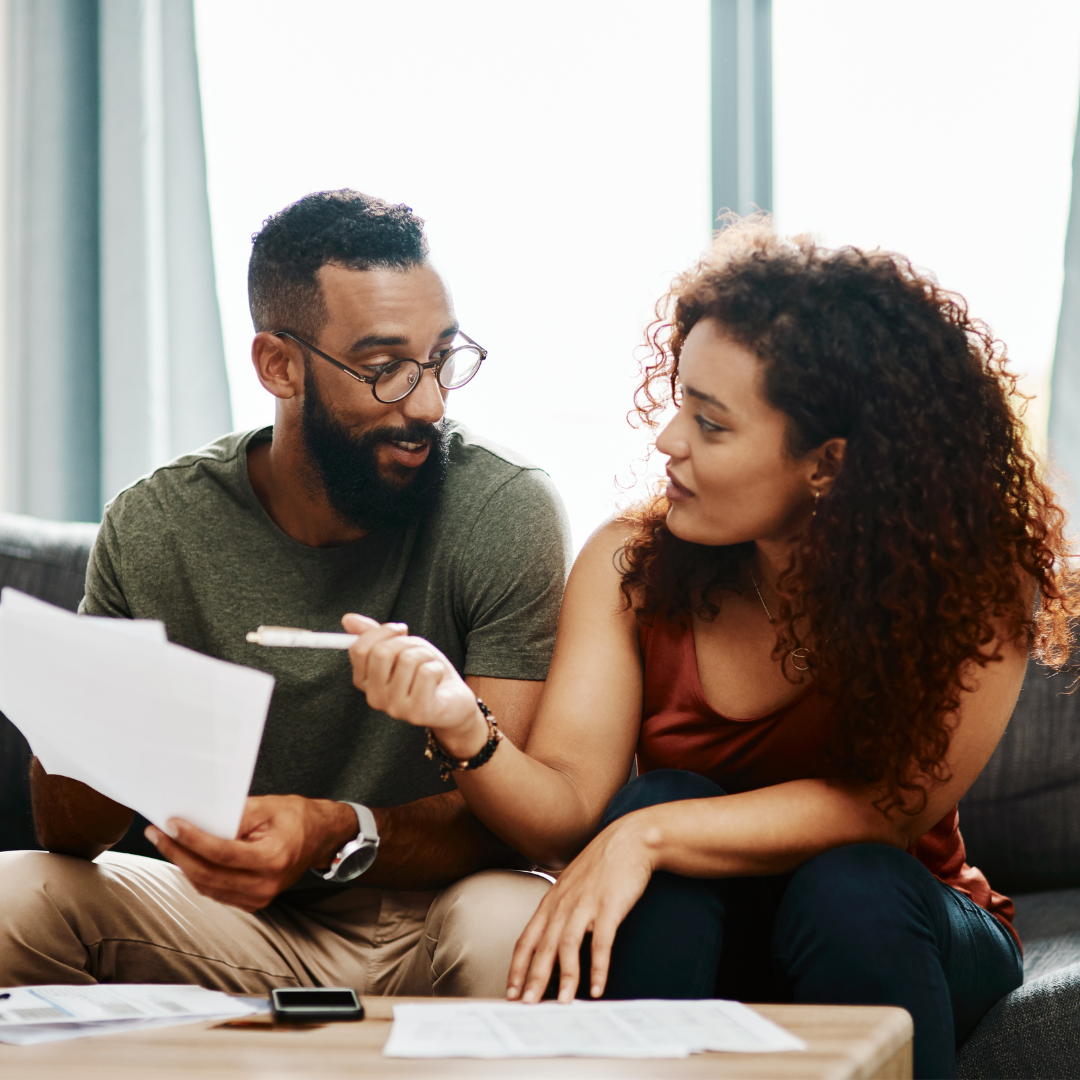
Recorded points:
(487,1030)
(626,1029)
(36,1014)
(157,727)
(707,1025)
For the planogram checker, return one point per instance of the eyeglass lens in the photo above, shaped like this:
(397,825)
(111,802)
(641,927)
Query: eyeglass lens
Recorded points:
(398,379)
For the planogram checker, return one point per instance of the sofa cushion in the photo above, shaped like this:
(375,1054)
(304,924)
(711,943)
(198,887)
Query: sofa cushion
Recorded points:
(1021,818)
(1029,1033)
(1049,926)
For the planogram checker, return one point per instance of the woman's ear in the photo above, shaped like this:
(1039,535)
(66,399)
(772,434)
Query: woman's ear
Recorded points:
(828,460)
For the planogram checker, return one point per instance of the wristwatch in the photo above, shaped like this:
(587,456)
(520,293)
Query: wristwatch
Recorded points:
(357,855)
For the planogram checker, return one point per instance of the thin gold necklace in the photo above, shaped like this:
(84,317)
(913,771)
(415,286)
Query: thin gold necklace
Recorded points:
(795,654)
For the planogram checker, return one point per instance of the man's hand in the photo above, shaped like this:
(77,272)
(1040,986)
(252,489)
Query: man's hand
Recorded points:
(280,837)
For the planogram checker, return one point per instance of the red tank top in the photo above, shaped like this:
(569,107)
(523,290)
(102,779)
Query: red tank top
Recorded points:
(680,730)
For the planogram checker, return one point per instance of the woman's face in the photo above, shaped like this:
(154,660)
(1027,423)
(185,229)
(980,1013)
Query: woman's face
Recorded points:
(730,476)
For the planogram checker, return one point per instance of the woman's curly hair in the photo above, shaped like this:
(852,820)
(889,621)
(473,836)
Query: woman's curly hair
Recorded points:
(920,552)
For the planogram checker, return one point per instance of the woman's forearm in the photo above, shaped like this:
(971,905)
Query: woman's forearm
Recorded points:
(770,830)
(538,810)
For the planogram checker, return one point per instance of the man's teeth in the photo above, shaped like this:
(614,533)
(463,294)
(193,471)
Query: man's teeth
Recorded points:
(407,445)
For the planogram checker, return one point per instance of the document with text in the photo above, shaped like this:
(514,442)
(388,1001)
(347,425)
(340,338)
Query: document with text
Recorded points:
(38,1014)
(111,702)
(621,1029)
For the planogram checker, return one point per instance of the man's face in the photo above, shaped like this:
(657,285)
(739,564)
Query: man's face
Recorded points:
(380,464)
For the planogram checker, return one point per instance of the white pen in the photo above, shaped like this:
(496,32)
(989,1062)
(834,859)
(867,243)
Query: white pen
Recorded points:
(289,637)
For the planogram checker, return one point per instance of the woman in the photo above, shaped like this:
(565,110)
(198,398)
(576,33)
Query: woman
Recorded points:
(813,640)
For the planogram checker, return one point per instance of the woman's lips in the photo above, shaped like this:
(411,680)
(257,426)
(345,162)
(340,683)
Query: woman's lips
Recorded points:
(677,492)
(411,455)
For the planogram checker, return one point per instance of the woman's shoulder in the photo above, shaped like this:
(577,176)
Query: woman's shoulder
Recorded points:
(600,557)
(596,579)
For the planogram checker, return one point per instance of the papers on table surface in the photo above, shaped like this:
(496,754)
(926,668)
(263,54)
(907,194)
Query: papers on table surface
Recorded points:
(626,1029)
(157,727)
(37,1014)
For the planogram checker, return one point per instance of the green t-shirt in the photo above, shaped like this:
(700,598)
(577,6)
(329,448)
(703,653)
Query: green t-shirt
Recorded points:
(481,577)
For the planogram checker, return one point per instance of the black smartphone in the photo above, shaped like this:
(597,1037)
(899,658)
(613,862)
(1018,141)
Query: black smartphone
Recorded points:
(316,1003)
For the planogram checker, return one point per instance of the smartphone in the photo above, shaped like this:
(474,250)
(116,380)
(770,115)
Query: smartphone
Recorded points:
(316,1003)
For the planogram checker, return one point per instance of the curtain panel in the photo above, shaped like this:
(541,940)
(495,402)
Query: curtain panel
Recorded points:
(114,361)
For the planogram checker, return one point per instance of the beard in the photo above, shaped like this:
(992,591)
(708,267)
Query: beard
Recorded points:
(348,466)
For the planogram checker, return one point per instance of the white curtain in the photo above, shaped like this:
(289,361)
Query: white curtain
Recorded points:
(1064,425)
(114,361)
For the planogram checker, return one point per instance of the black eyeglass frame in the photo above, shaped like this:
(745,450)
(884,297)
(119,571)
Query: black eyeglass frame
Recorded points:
(372,380)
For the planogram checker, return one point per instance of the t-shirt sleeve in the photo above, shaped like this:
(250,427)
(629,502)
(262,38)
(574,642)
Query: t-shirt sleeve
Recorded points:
(513,569)
(104,593)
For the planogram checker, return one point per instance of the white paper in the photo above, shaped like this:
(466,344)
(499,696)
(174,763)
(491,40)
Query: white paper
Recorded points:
(157,727)
(707,1025)
(621,1029)
(37,1014)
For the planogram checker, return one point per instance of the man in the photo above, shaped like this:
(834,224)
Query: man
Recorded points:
(361,498)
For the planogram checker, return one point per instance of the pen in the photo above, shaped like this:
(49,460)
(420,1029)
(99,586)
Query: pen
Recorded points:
(289,637)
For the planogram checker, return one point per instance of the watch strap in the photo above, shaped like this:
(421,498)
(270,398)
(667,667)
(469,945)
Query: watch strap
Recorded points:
(365,820)
(359,853)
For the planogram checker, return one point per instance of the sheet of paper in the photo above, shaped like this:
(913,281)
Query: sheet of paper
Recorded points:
(157,727)
(149,629)
(707,1025)
(36,1014)
(622,1029)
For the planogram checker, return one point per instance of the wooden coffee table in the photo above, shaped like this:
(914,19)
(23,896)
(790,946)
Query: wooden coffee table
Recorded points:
(844,1040)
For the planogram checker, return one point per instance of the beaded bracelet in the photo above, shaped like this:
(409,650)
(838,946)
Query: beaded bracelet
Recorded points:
(447,764)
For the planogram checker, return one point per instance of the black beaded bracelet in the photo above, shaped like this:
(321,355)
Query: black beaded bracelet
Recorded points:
(448,764)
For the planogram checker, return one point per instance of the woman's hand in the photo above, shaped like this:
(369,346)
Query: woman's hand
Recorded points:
(593,894)
(409,679)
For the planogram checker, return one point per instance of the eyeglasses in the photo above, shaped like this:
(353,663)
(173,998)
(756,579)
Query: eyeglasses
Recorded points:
(399,377)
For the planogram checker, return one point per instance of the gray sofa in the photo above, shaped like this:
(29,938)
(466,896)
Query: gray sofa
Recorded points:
(1021,822)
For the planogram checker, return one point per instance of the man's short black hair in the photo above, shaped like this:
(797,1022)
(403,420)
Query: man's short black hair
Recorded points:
(347,228)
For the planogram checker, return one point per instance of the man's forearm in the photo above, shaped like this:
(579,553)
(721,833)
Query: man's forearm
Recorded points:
(73,819)
(431,842)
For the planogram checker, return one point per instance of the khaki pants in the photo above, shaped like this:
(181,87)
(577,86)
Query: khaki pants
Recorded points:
(124,918)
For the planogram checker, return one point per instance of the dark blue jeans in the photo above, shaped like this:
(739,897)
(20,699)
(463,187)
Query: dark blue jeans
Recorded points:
(866,924)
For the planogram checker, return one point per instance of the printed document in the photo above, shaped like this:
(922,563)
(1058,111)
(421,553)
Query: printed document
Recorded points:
(37,1014)
(622,1029)
(111,702)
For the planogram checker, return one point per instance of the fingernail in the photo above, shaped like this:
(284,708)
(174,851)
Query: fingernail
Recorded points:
(529,995)
(171,829)
(597,991)
(511,992)
(151,834)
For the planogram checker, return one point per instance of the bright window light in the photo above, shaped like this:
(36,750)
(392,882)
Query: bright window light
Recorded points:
(560,154)
(942,129)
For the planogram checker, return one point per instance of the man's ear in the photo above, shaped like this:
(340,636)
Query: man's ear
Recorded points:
(278,364)
(829,460)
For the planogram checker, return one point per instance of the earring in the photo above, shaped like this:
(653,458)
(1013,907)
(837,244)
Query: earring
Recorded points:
(817,497)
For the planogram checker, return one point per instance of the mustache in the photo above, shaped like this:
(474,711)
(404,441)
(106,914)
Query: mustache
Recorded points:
(416,431)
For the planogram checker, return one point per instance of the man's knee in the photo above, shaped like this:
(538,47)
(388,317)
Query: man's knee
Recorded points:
(39,892)
(472,928)
(660,786)
(29,879)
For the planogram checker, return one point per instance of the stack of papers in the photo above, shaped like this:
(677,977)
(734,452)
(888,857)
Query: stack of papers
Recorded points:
(164,730)
(621,1029)
(37,1014)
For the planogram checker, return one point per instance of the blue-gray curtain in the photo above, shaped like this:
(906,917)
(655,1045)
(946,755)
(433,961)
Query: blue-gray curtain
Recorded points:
(1064,425)
(742,165)
(114,360)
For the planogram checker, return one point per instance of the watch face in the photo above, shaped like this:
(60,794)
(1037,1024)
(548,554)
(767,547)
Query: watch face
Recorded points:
(356,862)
